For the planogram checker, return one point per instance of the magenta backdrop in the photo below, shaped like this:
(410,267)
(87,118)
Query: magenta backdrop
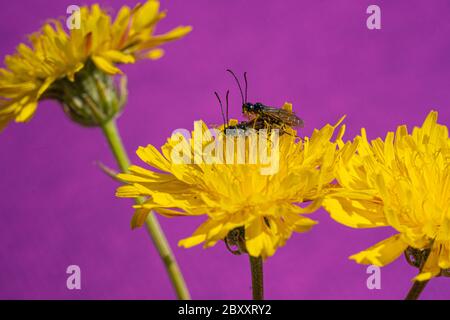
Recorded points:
(58,209)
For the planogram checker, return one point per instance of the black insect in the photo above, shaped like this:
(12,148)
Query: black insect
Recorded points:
(241,126)
(270,116)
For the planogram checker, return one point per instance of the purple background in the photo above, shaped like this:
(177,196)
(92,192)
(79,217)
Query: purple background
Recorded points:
(58,209)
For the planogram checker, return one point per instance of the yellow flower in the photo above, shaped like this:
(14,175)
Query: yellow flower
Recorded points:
(402,182)
(235,195)
(55,54)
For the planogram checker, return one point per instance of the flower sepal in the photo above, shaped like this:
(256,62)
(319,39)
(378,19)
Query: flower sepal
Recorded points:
(92,98)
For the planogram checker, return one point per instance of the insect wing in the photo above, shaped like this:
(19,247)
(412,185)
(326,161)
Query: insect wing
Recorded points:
(282,116)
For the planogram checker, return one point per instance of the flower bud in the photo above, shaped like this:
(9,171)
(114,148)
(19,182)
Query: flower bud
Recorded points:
(92,97)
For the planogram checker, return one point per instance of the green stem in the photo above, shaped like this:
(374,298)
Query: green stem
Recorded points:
(418,286)
(115,143)
(256,266)
(416,290)
(152,225)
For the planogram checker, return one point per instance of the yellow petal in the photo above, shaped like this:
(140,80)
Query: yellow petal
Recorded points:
(27,112)
(45,86)
(128,191)
(139,217)
(200,235)
(155,54)
(192,241)
(162,38)
(383,252)
(258,240)
(304,224)
(444,258)
(118,57)
(431,267)
(145,14)
(287,106)
(169,213)
(11,89)
(105,65)
(153,157)
(355,213)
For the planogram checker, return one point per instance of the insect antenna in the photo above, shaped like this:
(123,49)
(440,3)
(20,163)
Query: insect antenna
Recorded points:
(221,107)
(246,85)
(238,83)
(226,98)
